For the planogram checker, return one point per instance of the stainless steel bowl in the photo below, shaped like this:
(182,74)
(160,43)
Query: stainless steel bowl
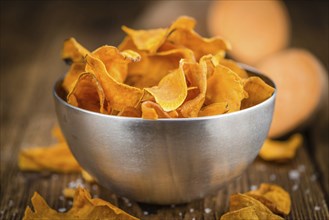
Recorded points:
(165,161)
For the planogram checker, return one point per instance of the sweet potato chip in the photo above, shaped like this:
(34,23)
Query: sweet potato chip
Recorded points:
(56,158)
(73,51)
(152,68)
(151,40)
(151,110)
(273,197)
(149,113)
(196,75)
(116,63)
(209,65)
(87,94)
(225,86)
(214,109)
(200,46)
(147,40)
(130,112)
(84,207)
(72,76)
(118,95)
(280,151)
(249,213)
(240,201)
(172,89)
(258,91)
(232,65)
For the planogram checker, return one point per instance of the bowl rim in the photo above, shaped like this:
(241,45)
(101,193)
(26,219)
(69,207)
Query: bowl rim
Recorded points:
(231,114)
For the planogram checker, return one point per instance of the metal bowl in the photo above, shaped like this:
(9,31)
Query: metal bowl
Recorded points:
(165,161)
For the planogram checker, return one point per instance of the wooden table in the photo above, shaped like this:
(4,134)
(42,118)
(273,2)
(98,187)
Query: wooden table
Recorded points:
(31,38)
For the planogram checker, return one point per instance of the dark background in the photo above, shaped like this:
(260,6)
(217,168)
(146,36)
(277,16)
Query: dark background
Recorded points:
(96,23)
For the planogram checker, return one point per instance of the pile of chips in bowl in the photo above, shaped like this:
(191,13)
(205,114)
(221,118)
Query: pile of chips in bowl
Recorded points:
(160,73)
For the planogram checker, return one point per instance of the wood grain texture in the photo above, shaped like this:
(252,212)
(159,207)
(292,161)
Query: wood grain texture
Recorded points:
(31,39)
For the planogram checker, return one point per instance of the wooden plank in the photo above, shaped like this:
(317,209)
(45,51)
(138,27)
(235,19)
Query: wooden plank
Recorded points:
(319,144)
(304,189)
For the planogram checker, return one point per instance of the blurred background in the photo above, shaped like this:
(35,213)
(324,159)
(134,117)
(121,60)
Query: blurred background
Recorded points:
(25,24)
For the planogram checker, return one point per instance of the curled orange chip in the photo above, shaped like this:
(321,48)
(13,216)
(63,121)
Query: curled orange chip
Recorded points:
(87,94)
(273,197)
(214,109)
(200,46)
(116,62)
(73,51)
(196,75)
(232,65)
(152,68)
(151,40)
(280,151)
(84,207)
(117,94)
(171,91)
(225,86)
(249,213)
(151,110)
(72,75)
(258,91)
(57,158)
(147,40)
(240,201)
(130,112)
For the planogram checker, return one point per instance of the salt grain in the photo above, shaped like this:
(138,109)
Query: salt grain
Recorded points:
(193,218)
(62,209)
(94,187)
(272,177)
(191,210)
(180,214)
(75,184)
(62,198)
(313,177)
(10,203)
(70,202)
(253,187)
(317,208)
(207,210)
(126,200)
(145,212)
(261,167)
(294,187)
(293,174)
(301,168)
(55,176)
